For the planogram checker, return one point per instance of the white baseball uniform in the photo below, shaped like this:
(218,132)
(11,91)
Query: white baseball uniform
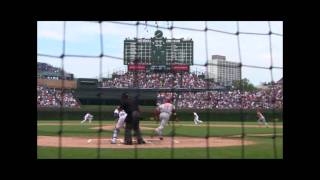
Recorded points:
(122,117)
(262,119)
(196,119)
(88,116)
(165,113)
(120,124)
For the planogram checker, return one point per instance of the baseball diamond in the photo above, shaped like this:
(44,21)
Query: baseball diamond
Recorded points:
(157,90)
(224,137)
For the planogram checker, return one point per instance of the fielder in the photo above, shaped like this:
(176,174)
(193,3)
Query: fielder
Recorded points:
(261,119)
(196,119)
(121,114)
(88,116)
(165,111)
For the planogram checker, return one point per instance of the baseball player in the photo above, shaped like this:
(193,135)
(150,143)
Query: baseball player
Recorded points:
(121,114)
(261,119)
(196,119)
(165,111)
(157,114)
(88,116)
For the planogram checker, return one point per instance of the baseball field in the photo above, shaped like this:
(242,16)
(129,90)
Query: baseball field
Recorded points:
(183,140)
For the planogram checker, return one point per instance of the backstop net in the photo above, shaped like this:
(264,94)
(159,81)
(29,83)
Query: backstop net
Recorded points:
(223,78)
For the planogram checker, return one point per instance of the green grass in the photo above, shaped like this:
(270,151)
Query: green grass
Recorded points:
(262,149)
(108,121)
(78,129)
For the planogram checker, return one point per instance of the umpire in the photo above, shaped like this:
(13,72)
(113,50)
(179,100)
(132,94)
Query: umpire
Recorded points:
(131,107)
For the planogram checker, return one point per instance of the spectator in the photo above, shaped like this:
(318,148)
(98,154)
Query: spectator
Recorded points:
(52,97)
(157,80)
(43,67)
(270,98)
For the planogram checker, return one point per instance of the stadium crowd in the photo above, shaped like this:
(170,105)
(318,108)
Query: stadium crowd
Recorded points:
(44,67)
(157,80)
(232,99)
(46,71)
(52,97)
(265,99)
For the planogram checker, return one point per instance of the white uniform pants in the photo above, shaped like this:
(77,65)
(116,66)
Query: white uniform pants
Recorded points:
(164,118)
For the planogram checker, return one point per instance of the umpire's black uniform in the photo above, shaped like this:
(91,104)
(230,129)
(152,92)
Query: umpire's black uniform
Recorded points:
(131,107)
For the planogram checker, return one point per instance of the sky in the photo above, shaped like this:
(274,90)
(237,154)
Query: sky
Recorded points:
(83,38)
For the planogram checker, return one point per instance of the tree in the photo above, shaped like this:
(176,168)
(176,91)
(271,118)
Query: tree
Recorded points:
(246,85)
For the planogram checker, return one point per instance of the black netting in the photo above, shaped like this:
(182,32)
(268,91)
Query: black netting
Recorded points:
(178,92)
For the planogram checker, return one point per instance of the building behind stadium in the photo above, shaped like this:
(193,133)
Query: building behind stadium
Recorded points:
(222,71)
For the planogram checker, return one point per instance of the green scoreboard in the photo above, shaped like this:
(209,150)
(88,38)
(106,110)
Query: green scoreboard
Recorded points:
(158,51)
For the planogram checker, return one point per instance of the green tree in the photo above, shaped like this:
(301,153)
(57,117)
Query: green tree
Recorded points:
(246,85)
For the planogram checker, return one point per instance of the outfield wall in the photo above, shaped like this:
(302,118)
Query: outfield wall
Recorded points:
(111,96)
(147,114)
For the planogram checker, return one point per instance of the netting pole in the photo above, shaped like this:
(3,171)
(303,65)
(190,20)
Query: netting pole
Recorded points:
(135,81)
(173,92)
(241,94)
(273,98)
(100,91)
(208,88)
(62,90)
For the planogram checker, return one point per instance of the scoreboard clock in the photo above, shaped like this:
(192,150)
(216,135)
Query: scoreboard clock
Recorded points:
(158,49)
(158,34)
